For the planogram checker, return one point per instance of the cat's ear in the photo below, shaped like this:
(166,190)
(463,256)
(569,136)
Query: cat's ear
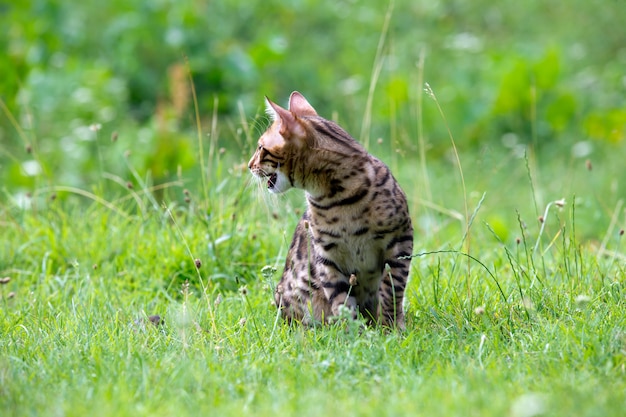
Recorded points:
(271,109)
(289,124)
(299,106)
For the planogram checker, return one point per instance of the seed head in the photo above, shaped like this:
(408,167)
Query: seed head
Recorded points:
(185,288)
(156,319)
(353,280)
(429,90)
(479,311)
(5,280)
(267,271)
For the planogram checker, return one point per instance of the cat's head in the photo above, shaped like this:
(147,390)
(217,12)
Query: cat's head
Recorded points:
(281,146)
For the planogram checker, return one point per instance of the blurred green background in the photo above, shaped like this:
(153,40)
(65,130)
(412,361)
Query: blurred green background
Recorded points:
(90,88)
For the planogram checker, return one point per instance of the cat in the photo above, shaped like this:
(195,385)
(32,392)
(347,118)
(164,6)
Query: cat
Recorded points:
(352,247)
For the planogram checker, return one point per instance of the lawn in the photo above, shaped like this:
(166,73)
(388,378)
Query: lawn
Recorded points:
(125,196)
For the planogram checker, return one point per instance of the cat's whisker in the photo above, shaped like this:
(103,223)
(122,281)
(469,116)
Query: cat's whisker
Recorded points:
(258,122)
(262,193)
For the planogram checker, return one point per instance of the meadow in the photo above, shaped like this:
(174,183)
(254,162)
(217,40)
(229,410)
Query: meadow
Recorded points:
(138,257)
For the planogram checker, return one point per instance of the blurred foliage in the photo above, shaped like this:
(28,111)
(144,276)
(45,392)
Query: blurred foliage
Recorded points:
(539,72)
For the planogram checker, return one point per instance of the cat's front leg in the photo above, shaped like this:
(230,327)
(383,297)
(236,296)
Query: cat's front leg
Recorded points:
(337,290)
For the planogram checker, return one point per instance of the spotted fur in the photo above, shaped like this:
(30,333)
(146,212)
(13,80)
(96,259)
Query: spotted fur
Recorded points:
(352,244)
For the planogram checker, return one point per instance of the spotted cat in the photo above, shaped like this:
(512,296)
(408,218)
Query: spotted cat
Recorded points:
(352,246)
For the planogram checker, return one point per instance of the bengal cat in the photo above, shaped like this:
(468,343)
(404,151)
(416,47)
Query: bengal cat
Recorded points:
(353,244)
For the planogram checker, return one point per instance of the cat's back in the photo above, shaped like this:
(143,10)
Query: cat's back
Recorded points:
(356,227)
(388,203)
(361,190)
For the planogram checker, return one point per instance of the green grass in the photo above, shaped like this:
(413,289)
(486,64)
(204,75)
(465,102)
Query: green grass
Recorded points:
(153,212)
(529,324)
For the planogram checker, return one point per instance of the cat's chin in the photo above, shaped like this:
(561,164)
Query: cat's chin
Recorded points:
(271,181)
(277,183)
(272,184)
